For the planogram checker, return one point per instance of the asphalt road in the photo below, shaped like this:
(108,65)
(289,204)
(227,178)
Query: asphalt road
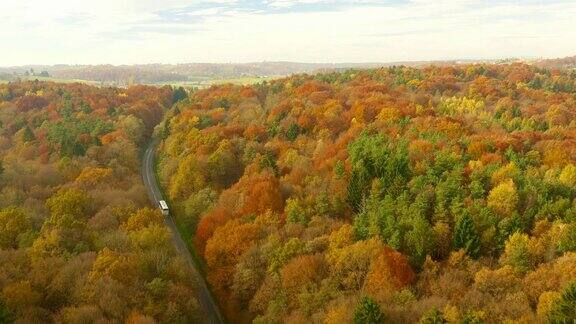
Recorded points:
(207,304)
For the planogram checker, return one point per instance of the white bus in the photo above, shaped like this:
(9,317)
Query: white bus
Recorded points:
(164,208)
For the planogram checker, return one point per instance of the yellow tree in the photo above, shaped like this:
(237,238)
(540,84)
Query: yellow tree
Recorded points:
(568,175)
(519,252)
(142,218)
(19,296)
(13,222)
(503,198)
(91,176)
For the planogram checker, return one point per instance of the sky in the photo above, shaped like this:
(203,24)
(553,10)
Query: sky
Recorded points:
(320,31)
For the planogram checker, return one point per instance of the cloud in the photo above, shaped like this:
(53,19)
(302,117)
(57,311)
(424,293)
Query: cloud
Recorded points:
(147,31)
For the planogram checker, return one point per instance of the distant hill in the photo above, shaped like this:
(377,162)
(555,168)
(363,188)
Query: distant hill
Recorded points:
(558,63)
(203,74)
(191,72)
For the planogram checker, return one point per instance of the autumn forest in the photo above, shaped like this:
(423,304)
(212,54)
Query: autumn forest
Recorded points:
(434,194)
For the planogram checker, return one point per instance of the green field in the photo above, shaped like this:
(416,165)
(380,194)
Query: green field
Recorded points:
(51,79)
(199,82)
(207,82)
(243,80)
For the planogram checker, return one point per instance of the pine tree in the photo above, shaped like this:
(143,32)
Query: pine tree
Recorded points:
(5,315)
(354,191)
(564,311)
(357,188)
(368,312)
(507,227)
(179,94)
(466,237)
(293,132)
(433,317)
(28,135)
(361,224)
(568,239)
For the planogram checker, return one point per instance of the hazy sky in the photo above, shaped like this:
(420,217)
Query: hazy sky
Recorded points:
(177,31)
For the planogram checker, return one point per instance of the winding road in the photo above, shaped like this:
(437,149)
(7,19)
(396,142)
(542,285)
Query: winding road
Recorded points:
(209,308)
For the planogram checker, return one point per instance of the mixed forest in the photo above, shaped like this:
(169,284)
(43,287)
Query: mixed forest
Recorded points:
(432,195)
(442,194)
(79,242)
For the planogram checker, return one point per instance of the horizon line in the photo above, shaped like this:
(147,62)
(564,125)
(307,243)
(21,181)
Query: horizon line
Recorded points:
(286,62)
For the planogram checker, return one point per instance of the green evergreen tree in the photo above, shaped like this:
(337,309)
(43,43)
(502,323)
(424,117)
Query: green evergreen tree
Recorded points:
(85,108)
(361,225)
(293,132)
(368,312)
(564,311)
(179,94)
(433,317)
(507,227)
(465,236)
(164,129)
(5,315)
(67,110)
(419,241)
(472,318)
(568,239)
(357,188)
(339,170)
(28,135)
